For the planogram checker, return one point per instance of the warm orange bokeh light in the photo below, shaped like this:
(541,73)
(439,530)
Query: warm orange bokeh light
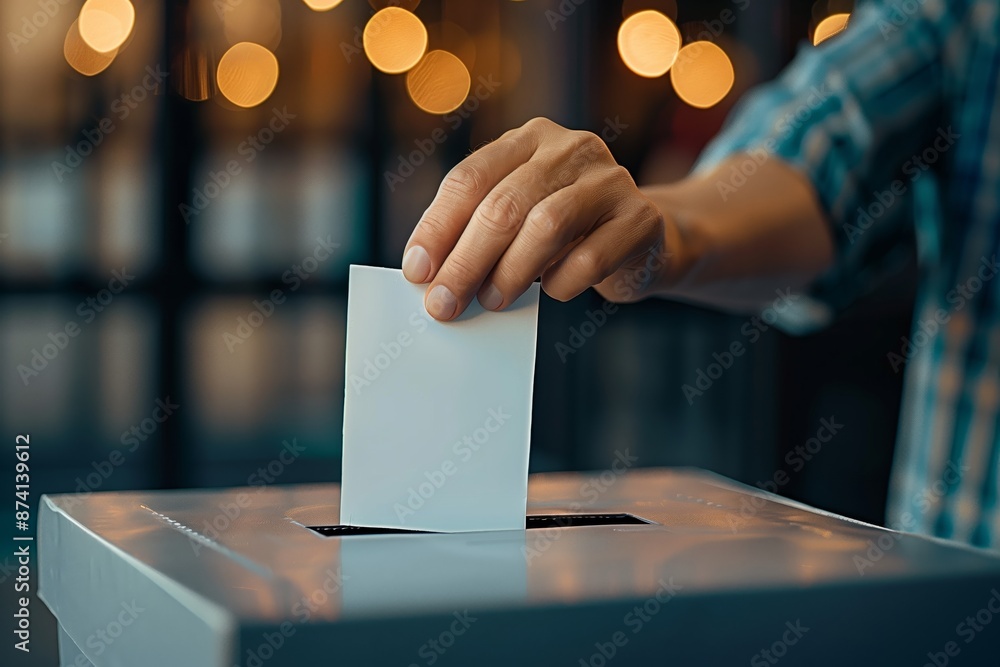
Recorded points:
(257,21)
(439,83)
(395,40)
(82,57)
(829,27)
(105,24)
(247,74)
(648,43)
(702,75)
(322,5)
(453,38)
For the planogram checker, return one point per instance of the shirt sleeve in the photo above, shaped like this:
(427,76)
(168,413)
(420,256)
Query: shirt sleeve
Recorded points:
(850,114)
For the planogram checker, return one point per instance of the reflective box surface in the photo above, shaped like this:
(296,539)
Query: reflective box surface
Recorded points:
(722,574)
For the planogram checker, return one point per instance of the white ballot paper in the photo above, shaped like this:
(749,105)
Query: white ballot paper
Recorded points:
(437,415)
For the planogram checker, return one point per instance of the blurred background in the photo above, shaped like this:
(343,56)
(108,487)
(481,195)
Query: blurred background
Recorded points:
(184,183)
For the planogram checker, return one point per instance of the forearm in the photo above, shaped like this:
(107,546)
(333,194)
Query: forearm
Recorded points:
(733,249)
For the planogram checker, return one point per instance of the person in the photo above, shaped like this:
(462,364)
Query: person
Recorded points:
(801,189)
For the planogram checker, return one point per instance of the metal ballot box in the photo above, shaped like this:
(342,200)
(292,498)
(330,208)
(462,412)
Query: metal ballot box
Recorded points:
(654,567)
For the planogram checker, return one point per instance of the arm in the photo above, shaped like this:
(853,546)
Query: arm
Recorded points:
(550,202)
(733,251)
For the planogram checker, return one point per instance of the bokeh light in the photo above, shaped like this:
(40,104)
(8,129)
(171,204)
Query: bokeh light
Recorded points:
(648,43)
(453,38)
(256,21)
(81,56)
(247,74)
(105,24)
(829,27)
(322,5)
(439,83)
(395,40)
(702,75)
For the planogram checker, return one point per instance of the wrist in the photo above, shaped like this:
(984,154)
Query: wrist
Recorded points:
(685,246)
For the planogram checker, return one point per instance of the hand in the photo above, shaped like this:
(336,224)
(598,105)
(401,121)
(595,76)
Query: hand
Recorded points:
(539,201)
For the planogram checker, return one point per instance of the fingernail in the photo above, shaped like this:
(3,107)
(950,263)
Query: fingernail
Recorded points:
(490,297)
(441,303)
(416,265)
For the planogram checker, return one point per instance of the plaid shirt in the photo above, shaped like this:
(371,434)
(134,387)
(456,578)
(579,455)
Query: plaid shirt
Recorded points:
(896,122)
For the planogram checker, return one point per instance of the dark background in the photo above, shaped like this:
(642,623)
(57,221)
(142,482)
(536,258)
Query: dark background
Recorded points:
(162,337)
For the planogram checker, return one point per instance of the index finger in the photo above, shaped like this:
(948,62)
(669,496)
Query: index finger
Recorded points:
(460,193)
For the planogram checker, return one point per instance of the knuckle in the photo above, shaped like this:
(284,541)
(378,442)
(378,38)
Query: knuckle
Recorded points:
(586,143)
(500,213)
(539,124)
(465,180)
(589,265)
(646,216)
(584,150)
(621,175)
(544,222)
(461,271)
(506,278)
(432,226)
(510,142)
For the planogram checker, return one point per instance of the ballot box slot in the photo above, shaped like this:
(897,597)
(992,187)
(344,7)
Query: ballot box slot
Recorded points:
(531,522)
(573,520)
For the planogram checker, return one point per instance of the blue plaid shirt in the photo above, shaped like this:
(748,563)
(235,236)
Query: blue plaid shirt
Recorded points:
(896,122)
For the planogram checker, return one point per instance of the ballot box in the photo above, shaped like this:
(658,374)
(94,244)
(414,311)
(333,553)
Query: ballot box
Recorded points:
(646,567)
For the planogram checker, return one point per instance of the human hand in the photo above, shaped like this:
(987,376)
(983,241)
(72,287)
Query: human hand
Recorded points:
(544,201)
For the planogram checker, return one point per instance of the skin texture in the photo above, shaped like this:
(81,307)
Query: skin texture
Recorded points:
(545,201)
